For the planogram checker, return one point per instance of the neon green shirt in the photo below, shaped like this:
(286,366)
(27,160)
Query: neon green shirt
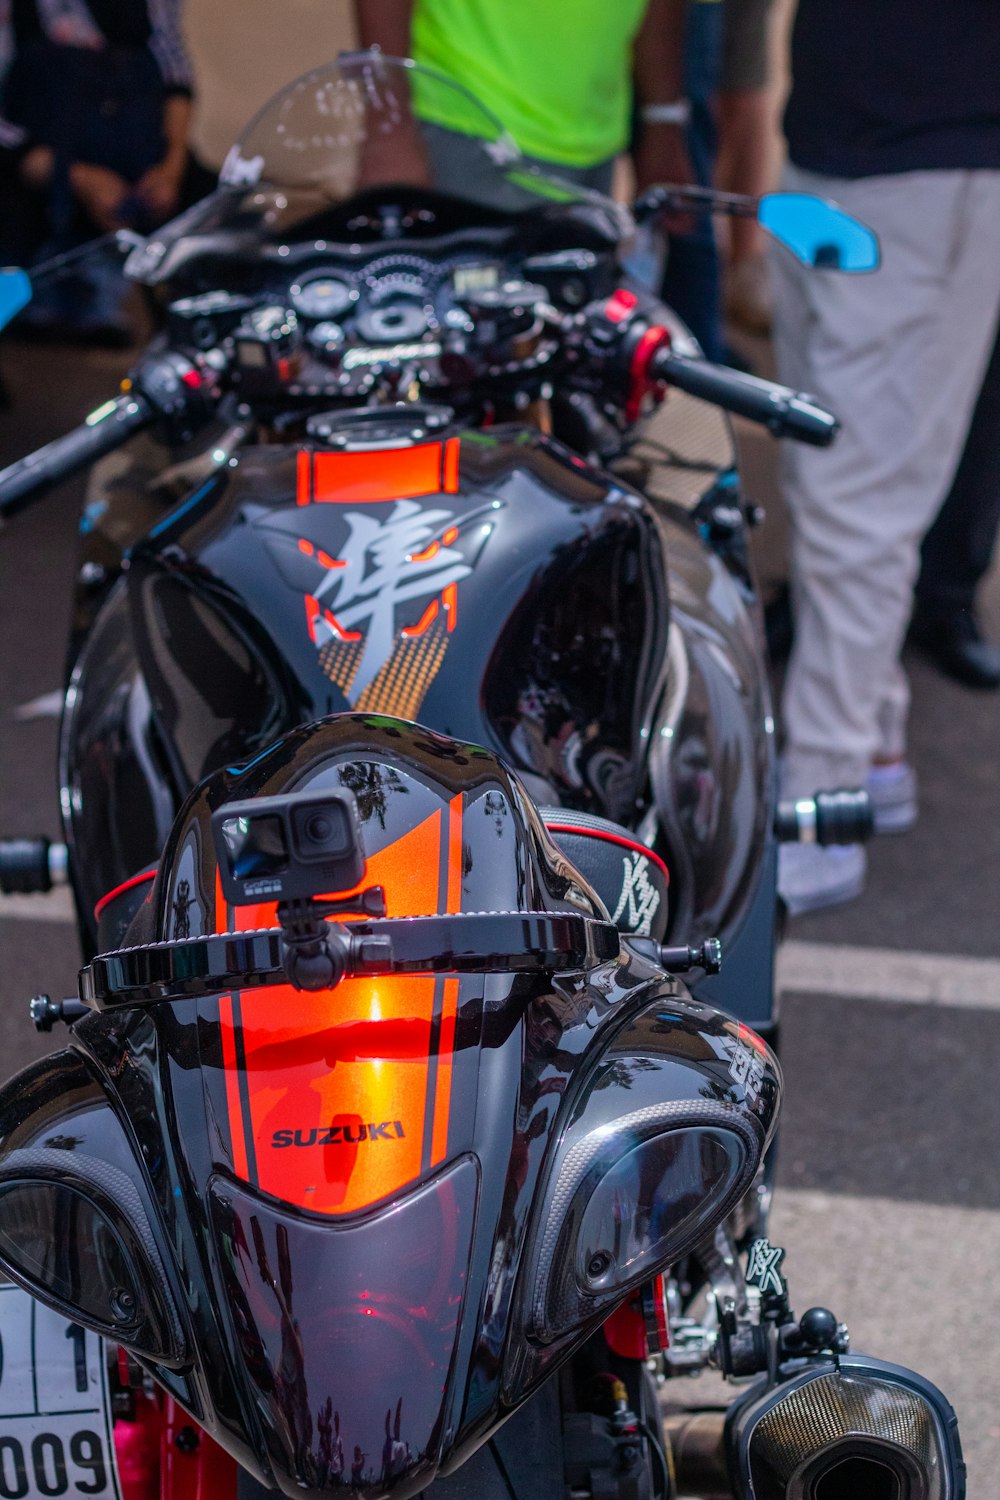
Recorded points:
(556,73)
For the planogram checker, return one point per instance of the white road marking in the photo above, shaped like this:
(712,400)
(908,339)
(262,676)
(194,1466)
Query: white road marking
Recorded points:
(52,906)
(48,706)
(891,974)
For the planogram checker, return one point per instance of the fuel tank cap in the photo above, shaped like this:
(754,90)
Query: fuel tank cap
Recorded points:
(384,427)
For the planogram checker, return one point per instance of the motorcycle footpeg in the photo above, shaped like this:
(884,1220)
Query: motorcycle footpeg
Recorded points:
(845,816)
(29,866)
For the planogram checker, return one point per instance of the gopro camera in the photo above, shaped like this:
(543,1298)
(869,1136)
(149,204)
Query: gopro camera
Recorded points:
(289,848)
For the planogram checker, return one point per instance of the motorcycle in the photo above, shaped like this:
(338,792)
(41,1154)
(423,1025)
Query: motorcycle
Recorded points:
(372,1186)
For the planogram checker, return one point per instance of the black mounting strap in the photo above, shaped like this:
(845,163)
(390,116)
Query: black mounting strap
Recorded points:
(522,942)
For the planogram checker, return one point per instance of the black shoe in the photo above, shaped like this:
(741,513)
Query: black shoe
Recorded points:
(957,646)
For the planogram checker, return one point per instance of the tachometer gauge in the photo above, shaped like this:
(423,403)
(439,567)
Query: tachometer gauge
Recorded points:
(323,297)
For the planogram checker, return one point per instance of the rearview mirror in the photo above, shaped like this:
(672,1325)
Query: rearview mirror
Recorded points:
(819,233)
(15,293)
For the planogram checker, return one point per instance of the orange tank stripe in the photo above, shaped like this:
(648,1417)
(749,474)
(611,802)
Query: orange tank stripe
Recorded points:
(446,1047)
(389,474)
(227,1029)
(442,1090)
(450,467)
(455,854)
(303,478)
(337,1081)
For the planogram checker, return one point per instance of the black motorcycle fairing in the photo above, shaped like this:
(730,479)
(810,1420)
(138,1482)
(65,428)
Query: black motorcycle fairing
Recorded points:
(262,1126)
(113,768)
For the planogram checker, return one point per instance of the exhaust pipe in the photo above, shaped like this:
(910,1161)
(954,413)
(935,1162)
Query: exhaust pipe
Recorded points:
(859,1429)
(697,1442)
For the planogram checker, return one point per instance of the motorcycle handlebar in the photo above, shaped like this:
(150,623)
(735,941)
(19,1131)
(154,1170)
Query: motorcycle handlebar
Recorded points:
(785,412)
(103,430)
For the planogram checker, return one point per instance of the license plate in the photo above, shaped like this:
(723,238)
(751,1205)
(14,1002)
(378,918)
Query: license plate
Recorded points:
(55,1406)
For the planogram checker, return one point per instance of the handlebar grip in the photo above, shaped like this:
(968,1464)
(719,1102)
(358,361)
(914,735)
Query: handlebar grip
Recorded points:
(104,429)
(785,412)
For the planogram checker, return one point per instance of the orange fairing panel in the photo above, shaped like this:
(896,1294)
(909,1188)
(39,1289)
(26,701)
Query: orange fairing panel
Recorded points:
(339,1099)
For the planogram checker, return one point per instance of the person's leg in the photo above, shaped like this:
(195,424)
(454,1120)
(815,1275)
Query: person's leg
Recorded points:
(899,356)
(956,552)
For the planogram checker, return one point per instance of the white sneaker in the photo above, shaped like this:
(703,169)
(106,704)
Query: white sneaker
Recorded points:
(810,877)
(893,792)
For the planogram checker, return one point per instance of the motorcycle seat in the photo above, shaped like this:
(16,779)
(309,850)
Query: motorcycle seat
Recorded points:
(630,879)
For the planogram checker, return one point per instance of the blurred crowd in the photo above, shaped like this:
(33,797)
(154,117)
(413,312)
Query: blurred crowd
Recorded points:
(893,111)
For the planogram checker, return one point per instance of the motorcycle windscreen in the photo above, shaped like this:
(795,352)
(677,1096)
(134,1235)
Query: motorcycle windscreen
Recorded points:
(346,1333)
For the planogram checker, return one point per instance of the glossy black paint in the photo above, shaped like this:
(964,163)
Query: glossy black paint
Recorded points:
(274,1294)
(605,646)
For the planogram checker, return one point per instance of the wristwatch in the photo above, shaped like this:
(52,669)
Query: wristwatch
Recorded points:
(677,112)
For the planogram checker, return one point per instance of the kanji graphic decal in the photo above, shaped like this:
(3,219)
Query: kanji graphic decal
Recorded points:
(382,590)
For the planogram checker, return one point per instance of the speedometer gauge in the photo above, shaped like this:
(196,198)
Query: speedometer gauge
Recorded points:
(323,297)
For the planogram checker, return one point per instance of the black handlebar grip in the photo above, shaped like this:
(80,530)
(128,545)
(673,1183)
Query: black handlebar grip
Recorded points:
(104,429)
(785,412)
(841,817)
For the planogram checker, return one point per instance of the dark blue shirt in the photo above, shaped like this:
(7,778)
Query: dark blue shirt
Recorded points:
(895,86)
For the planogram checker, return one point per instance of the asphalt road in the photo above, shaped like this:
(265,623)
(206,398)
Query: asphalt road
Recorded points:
(889,1199)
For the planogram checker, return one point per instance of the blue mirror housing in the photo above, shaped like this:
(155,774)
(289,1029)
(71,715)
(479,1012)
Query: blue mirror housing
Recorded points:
(15,293)
(819,233)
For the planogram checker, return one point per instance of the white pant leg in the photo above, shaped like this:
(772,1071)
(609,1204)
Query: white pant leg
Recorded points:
(899,355)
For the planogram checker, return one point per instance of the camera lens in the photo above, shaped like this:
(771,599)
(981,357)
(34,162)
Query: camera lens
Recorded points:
(322,832)
(319,829)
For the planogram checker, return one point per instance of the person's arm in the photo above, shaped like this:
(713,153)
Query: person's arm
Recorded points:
(385,24)
(397,156)
(661,153)
(160,187)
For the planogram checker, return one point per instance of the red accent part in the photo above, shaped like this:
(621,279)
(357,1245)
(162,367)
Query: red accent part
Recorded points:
(450,536)
(640,382)
(306,547)
(427,554)
(303,478)
(206,1472)
(137,1449)
(192,380)
(612,838)
(429,614)
(619,305)
(625,1331)
(365,478)
(284,368)
(752,1039)
(326,561)
(341,630)
(126,885)
(449,468)
(660,1313)
(449,597)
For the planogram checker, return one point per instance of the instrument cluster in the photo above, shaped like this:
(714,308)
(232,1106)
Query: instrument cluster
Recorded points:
(339,327)
(391,317)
